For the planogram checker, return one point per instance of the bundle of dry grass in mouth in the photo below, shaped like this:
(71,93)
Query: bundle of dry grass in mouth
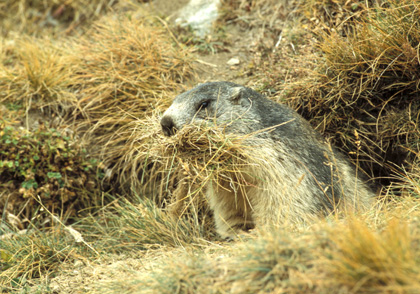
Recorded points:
(182,164)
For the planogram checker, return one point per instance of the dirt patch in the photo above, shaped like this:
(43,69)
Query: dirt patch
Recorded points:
(81,276)
(233,60)
(168,9)
(84,276)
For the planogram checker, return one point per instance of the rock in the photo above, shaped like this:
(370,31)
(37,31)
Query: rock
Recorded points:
(234,61)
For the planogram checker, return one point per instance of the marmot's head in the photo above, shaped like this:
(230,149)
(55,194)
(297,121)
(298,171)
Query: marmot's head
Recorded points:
(216,102)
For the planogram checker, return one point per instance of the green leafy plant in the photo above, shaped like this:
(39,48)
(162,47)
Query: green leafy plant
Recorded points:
(47,166)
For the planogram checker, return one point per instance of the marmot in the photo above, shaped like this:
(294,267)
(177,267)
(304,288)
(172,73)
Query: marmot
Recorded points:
(296,175)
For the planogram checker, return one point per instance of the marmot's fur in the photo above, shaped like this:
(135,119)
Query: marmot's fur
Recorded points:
(296,176)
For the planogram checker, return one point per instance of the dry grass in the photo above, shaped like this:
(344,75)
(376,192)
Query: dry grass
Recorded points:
(362,83)
(56,17)
(363,260)
(273,263)
(176,169)
(197,155)
(373,78)
(39,74)
(374,252)
(348,256)
(130,68)
(30,255)
(125,226)
(333,15)
(104,84)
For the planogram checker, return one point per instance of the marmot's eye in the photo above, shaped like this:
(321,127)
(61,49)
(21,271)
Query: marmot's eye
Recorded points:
(204,105)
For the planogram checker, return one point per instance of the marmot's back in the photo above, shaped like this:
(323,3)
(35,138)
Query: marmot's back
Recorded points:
(296,168)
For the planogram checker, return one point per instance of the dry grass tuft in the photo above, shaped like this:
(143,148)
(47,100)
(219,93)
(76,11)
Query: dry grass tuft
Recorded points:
(346,256)
(141,225)
(38,74)
(180,166)
(364,261)
(32,254)
(362,89)
(332,15)
(103,86)
(275,262)
(37,17)
(121,72)
(129,68)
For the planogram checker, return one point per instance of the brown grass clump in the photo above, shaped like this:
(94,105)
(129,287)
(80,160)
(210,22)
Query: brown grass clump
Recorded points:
(362,89)
(337,16)
(102,86)
(125,226)
(37,17)
(130,67)
(202,154)
(364,261)
(123,70)
(37,75)
(274,264)
(346,256)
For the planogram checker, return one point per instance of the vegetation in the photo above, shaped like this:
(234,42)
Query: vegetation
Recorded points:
(36,17)
(48,167)
(32,254)
(361,91)
(89,187)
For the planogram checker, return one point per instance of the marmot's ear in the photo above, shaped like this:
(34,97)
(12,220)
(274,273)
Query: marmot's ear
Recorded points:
(238,97)
(236,94)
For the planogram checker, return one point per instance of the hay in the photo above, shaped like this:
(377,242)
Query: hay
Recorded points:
(175,170)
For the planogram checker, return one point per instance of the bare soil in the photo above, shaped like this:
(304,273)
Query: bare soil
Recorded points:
(215,66)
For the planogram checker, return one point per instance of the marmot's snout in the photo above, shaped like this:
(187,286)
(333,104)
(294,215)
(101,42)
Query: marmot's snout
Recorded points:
(168,126)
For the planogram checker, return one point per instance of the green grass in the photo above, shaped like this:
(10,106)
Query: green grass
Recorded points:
(141,225)
(28,256)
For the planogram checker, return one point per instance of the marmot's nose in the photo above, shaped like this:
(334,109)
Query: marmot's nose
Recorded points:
(168,126)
